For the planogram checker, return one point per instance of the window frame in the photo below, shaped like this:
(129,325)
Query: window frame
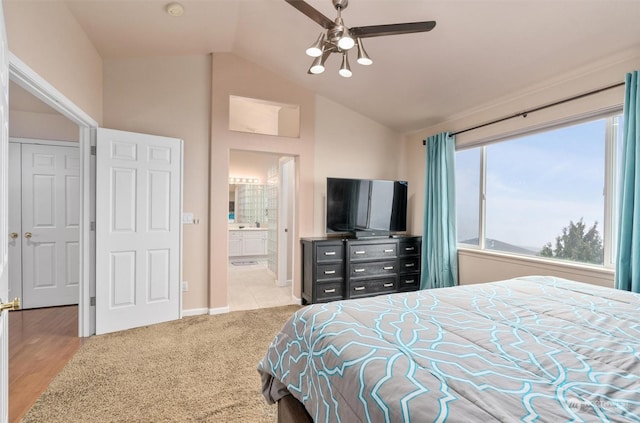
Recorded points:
(610,194)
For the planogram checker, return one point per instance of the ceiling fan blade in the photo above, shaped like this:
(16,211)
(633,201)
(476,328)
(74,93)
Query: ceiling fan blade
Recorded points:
(391,29)
(312,13)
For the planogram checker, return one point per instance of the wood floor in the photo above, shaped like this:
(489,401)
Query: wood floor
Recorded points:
(41,341)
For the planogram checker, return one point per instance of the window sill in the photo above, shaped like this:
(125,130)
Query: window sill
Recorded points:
(512,265)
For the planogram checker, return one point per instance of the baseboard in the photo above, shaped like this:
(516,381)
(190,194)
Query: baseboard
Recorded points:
(195,312)
(296,299)
(219,310)
(283,283)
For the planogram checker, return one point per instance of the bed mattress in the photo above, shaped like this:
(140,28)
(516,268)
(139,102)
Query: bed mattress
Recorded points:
(527,349)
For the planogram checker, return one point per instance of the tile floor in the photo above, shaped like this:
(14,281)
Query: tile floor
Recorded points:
(253,286)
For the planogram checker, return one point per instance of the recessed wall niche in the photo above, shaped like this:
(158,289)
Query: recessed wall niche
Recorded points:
(264,117)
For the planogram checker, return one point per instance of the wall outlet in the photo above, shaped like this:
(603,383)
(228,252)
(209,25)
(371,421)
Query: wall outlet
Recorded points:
(185,286)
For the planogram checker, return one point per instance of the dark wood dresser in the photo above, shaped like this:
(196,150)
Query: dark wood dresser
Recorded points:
(343,268)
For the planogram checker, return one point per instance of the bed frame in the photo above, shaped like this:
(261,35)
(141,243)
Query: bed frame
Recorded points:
(290,410)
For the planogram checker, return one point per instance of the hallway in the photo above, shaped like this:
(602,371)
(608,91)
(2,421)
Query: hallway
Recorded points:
(41,341)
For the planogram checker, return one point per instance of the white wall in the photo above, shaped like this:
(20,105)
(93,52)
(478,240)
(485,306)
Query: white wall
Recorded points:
(481,266)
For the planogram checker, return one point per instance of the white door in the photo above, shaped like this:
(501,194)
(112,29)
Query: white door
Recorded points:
(4,233)
(50,225)
(15,220)
(138,229)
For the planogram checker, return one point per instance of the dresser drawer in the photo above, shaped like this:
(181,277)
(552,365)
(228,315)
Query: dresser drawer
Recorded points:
(409,264)
(409,247)
(374,268)
(409,282)
(329,291)
(369,287)
(330,271)
(331,252)
(371,251)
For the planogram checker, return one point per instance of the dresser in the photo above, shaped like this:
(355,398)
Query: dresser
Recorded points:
(336,269)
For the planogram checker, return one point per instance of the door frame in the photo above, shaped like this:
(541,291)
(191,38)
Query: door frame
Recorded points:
(32,82)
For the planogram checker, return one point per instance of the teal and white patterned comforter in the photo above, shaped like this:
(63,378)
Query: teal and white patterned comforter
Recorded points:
(534,349)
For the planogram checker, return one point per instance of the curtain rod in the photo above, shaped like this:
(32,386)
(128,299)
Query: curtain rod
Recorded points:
(537,109)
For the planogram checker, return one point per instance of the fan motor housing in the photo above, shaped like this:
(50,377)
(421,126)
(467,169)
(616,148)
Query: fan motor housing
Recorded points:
(340,4)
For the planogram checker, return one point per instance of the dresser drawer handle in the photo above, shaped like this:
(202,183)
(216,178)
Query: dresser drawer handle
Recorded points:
(329,272)
(388,285)
(359,252)
(410,281)
(389,250)
(358,270)
(359,288)
(329,291)
(409,248)
(409,264)
(387,268)
(329,253)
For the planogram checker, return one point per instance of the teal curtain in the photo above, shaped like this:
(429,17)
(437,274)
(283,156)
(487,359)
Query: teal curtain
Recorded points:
(439,252)
(628,258)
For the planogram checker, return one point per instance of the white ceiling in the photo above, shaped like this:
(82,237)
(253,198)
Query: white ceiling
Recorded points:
(479,51)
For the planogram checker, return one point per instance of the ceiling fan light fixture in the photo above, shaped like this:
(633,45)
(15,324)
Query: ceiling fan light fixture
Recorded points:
(317,67)
(346,42)
(345,69)
(317,48)
(363,57)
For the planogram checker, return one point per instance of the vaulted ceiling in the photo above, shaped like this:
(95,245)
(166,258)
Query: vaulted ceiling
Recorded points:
(480,50)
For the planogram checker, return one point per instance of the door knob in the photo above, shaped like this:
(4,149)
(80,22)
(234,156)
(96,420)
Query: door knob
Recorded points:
(13,305)
(13,235)
(28,235)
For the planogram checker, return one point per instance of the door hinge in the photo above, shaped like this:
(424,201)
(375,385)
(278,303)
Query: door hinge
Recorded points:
(92,226)
(93,150)
(92,301)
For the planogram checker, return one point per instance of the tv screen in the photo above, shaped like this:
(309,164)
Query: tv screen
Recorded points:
(355,205)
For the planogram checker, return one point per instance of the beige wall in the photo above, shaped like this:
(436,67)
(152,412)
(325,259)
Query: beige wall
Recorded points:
(232,75)
(607,72)
(350,145)
(170,96)
(42,126)
(45,36)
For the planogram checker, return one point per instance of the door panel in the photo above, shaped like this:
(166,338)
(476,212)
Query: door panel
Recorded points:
(138,229)
(50,225)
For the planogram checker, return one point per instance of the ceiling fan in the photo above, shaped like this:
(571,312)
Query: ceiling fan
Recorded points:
(340,39)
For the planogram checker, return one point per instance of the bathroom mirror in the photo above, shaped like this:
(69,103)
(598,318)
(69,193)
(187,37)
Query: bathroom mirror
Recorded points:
(264,117)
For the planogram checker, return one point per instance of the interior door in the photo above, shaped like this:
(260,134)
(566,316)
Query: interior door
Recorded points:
(50,225)
(138,229)
(4,233)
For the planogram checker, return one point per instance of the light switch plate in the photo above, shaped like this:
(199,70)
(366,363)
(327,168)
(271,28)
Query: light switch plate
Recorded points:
(187,218)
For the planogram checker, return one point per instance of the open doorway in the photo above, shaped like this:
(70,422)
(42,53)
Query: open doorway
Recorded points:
(43,253)
(261,203)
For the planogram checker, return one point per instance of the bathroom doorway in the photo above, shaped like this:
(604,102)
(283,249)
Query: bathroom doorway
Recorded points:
(261,205)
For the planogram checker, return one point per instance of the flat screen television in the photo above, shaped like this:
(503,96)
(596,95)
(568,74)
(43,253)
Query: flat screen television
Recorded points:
(366,207)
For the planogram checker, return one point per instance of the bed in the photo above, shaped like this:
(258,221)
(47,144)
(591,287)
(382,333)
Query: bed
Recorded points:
(528,349)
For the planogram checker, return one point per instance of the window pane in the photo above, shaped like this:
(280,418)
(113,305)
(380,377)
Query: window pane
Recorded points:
(468,195)
(545,193)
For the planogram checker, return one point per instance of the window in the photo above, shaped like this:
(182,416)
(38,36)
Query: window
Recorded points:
(545,194)
(468,195)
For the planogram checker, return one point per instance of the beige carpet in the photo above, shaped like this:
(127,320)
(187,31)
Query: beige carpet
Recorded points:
(198,369)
